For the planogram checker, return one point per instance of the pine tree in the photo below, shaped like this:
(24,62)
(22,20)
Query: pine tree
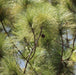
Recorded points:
(37,33)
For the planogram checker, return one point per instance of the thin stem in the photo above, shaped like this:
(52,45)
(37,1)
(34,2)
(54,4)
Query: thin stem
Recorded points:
(17,47)
(33,49)
(62,44)
(72,48)
(67,40)
(36,43)
(28,58)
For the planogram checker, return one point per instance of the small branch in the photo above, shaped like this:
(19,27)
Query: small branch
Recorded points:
(33,69)
(69,70)
(67,40)
(62,43)
(27,44)
(11,42)
(36,43)
(28,58)
(17,47)
(33,49)
(4,29)
(71,9)
(27,61)
(72,48)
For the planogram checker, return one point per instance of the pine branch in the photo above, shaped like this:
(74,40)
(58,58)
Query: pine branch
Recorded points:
(33,49)
(33,69)
(61,35)
(67,40)
(72,48)
(27,44)
(69,70)
(36,43)
(4,29)
(28,58)
(71,9)
(11,42)
(17,48)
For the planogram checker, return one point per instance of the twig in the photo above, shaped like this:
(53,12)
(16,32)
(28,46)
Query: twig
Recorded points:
(62,43)
(27,44)
(33,69)
(72,48)
(69,70)
(67,40)
(36,43)
(33,49)
(16,47)
(71,9)
(11,42)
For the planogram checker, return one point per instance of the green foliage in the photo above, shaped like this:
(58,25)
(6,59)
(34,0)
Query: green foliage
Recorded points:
(36,33)
(73,56)
(10,67)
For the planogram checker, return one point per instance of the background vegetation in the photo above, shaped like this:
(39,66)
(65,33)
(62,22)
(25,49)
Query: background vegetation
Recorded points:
(37,37)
